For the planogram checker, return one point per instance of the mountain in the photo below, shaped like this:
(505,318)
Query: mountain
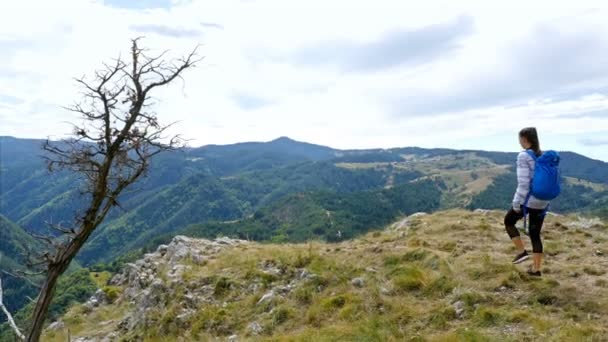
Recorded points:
(440,277)
(328,215)
(14,246)
(228,189)
(75,286)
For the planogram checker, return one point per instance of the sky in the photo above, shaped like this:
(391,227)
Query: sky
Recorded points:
(346,74)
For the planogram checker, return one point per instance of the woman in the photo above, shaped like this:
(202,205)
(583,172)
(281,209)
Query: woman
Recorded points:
(536,209)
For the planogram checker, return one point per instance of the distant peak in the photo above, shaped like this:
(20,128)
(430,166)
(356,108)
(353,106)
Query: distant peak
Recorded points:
(283,139)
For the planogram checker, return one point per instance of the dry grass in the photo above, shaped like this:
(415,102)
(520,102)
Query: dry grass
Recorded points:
(412,276)
(593,186)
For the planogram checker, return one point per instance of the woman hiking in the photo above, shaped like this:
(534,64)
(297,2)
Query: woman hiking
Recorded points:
(524,202)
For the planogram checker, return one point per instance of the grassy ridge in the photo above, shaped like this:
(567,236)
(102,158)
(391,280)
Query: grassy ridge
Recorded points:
(439,277)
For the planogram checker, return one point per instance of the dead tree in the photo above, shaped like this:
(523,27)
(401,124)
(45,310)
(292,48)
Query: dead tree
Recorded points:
(111,149)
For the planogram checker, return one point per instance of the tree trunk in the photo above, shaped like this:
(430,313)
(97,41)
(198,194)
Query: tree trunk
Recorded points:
(43,303)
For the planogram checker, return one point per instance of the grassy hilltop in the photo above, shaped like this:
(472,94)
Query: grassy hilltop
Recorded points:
(440,277)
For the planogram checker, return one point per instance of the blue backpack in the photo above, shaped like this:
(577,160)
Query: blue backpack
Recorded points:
(545,184)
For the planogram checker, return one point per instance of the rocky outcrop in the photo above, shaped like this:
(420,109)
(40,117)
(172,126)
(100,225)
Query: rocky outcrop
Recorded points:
(150,285)
(586,223)
(149,282)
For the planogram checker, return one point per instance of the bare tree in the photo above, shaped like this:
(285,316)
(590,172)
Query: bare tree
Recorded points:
(111,149)
(11,321)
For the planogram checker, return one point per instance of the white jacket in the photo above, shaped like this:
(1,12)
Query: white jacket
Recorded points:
(525,172)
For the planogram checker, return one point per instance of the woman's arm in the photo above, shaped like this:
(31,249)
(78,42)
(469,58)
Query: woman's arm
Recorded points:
(524,174)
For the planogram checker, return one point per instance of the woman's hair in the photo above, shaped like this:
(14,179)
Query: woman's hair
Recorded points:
(529,133)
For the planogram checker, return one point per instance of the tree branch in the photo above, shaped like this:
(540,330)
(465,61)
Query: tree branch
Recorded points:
(11,321)
(23,275)
(111,150)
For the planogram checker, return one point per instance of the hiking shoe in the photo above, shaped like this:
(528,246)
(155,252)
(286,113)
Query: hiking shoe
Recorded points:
(523,256)
(534,273)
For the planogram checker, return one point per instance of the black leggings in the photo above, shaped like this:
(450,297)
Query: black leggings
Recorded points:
(536,217)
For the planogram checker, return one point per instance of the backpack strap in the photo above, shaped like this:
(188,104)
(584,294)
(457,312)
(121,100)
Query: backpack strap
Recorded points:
(525,206)
(532,154)
(525,210)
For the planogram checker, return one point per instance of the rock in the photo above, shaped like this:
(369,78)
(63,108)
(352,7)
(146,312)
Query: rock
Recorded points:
(117,280)
(586,223)
(179,248)
(266,297)
(459,308)
(180,252)
(255,328)
(148,291)
(253,287)
(304,274)
(153,296)
(481,211)
(183,318)
(125,324)
(100,296)
(418,214)
(131,274)
(87,308)
(225,241)
(58,325)
(198,259)
(181,239)
(510,330)
(113,336)
(401,224)
(385,291)
(283,289)
(404,223)
(358,282)
(162,250)
(270,267)
(91,303)
(191,300)
(573,274)
(177,269)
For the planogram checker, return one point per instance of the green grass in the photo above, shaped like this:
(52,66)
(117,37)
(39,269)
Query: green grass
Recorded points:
(409,290)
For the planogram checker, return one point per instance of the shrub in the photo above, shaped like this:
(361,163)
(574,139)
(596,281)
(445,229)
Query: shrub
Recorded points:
(112,293)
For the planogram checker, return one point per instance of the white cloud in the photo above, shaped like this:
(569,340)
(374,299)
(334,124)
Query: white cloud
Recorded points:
(328,73)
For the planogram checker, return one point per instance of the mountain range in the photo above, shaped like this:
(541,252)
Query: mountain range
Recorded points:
(282,190)
(279,191)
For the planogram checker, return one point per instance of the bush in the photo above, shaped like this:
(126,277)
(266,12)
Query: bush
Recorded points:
(487,317)
(222,286)
(440,286)
(112,293)
(409,279)
(334,302)
(303,295)
(281,315)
